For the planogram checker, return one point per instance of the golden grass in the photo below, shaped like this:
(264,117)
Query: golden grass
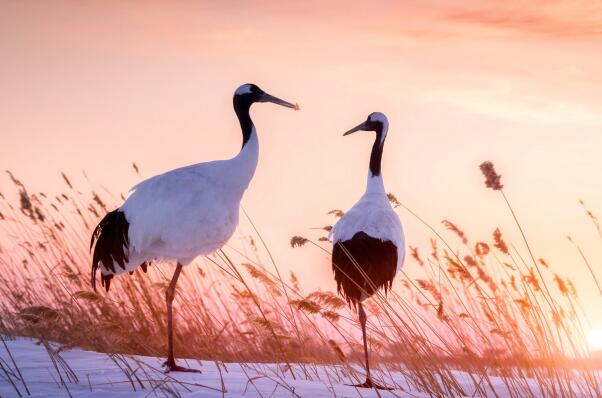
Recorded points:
(480,307)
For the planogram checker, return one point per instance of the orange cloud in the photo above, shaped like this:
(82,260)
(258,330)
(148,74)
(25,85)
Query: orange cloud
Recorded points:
(551,18)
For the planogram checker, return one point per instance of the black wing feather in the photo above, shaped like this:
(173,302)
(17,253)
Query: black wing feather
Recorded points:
(377,260)
(110,241)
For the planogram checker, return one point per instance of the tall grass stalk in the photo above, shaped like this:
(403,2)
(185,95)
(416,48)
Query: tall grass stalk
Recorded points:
(473,311)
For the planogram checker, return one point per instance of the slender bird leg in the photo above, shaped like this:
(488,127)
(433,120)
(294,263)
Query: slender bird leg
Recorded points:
(363,319)
(170,364)
(368,383)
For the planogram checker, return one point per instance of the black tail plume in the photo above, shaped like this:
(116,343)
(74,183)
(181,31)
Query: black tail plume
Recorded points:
(112,243)
(362,265)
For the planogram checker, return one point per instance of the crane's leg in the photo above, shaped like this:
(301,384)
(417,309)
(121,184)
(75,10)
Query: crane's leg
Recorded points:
(368,383)
(170,364)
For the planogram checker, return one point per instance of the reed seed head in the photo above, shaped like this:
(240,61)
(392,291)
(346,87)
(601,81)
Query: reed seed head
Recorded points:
(499,242)
(298,241)
(492,179)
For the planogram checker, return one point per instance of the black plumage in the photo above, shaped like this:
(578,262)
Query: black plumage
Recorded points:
(363,264)
(110,241)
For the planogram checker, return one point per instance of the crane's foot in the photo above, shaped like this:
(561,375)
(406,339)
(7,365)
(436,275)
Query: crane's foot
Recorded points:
(370,384)
(170,366)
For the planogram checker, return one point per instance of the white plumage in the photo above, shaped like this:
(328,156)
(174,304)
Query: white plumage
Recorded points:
(188,212)
(181,214)
(373,215)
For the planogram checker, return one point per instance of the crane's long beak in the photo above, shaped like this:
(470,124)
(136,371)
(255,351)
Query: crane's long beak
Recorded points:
(359,127)
(278,101)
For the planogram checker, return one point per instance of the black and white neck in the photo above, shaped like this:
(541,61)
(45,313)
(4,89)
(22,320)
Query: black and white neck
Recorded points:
(245,162)
(243,99)
(381,126)
(375,183)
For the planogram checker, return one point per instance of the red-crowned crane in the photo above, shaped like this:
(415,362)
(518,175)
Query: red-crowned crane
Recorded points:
(181,214)
(368,241)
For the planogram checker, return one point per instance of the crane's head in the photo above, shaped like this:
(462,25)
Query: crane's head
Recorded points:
(376,122)
(248,94)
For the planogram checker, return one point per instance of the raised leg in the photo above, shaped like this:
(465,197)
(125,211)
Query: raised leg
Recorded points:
(170,364)
(368,383)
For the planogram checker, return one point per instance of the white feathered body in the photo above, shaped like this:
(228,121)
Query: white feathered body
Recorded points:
(374,216)
(188,212)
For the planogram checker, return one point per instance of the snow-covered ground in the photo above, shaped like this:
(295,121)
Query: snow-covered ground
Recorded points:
(97,375)
(80,373)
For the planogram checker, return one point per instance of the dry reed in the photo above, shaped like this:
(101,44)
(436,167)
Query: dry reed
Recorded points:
(481,308)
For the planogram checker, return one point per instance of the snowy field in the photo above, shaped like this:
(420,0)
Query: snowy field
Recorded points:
(79,373)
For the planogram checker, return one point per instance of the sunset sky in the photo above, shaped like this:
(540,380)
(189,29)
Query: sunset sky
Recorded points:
(98,85)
